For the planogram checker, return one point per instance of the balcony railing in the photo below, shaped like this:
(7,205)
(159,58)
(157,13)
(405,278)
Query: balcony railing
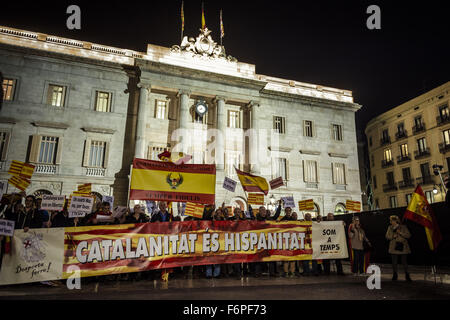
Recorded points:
(387,163)
(442,119)
(425,180)
(385,140)
(390,187)
(45,168)
(401,135)
(418,154)
(405,158)
(418,128)
(95,172)
(406,183)
(444,147)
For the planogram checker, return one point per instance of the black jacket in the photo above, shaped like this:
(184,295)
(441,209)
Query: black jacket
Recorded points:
(158,217)
(275,217)
(132,219)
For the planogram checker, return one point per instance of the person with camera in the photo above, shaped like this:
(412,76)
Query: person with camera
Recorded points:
(398,235)
(357,238)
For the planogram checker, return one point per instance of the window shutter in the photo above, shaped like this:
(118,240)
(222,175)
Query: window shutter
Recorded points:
(5,149)
(59,150)
(87,148)
(49,94)
(35,146)
(105,160)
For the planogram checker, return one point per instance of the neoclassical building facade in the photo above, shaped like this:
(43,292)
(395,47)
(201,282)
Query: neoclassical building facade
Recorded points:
(82,111)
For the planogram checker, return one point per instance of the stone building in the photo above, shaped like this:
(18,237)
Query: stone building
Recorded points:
(82,111)
(405,143)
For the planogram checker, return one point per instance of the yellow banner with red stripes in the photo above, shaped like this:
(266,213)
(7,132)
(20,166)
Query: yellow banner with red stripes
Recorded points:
(19,183)
(194,210)
(16,167)
(256,199)
(85,188)
(353,205)
(306,205)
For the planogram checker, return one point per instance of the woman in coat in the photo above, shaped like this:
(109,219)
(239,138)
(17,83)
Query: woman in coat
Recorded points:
(398,235)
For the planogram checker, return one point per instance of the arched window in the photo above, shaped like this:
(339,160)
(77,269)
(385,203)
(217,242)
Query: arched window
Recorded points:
(339,209)
(40,192)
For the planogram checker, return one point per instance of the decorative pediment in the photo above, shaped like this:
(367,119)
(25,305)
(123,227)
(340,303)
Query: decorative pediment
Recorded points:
(203,46)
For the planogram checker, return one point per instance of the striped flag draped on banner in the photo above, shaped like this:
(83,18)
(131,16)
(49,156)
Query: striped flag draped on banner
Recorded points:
(194,210)
(420,211)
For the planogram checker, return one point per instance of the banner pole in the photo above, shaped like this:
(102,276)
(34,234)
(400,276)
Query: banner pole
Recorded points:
(129,186)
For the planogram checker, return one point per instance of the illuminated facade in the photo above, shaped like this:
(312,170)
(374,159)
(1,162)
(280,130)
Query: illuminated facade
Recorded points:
(97,107)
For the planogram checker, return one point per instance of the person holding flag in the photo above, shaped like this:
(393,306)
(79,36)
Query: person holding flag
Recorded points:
(398,235)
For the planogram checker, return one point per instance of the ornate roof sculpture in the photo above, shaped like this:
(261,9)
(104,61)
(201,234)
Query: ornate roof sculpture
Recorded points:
(203,46)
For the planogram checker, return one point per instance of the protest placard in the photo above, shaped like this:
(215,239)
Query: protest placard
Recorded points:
(119,212)
(229,184)
(52,202)
(288,202)
(110,200)
(256,198)
(6,228)
(306,205)
(104,218)
(276,183)
(80,206)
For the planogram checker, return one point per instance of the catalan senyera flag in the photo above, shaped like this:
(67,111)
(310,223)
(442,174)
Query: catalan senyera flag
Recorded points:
(19,183)
(353,205)
(16,167)
(194,210)
(252,183)
(203,18)
(166,181)
(306,205)
(85,188)
(27,171)
(420,211)
(255,198)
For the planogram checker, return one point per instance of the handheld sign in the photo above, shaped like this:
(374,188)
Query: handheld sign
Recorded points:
(80,206)
(119,212)
(109,199)
(288,202)
(52,203)
(276,183)
(229,184)
(256,199)
(6,228)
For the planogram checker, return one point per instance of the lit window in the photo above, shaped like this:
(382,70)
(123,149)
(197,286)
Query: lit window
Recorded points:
(48,149)
(8,89)
(308,125)
(233,119)
(337,132)
(338,173)
(404,150)
(161,107)
(56,95)
(310,171)
(279,124)
(97,154)
(387,155)
(103,101)
(446,134)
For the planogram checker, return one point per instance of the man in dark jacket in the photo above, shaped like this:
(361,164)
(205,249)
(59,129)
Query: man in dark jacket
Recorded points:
(162,215)
(262,215)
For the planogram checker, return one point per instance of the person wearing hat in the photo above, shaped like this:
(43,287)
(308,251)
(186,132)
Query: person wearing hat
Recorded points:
(398,235)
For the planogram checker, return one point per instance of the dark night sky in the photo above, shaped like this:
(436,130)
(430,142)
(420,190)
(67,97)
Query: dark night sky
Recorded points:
(319,42)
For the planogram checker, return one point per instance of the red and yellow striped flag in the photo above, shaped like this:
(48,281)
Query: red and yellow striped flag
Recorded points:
(306,205)
(27,171)
(19,183)
(203,18)
(85,188)
(256,199)
(16,167)
(182,16)
(222,31)
(353,205)
(252,183)
(194,210)
(420,211)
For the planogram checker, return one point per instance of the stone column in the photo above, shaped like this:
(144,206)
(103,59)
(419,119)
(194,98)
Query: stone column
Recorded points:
(221,128)
(185,117)
(139,151)
(254,138)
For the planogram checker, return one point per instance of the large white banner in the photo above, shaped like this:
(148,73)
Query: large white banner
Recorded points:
(36,255)
(328,240)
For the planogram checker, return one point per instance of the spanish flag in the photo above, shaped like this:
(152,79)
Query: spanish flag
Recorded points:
(166,181)
(252,183)
(203,18)
(420,211)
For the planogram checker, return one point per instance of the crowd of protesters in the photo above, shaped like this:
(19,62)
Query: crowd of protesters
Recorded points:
(31,215)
